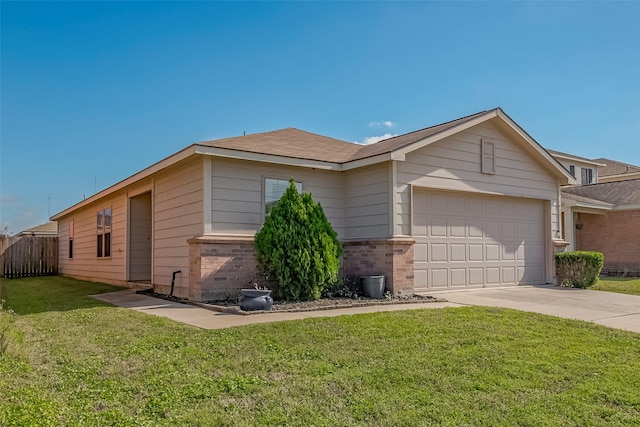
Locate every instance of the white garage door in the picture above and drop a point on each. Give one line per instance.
(476, 241)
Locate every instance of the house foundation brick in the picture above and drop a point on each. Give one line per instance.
(617, 235)
(392, 258)
(220, 266)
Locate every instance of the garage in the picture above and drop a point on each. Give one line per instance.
(465, 240)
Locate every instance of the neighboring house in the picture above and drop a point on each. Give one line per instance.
(606, 218)
(617, 171)
(47, 229)
(469, 203)
(585, 171)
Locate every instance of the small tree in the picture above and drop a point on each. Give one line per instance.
(297, 247)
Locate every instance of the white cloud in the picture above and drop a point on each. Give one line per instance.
(373, 139)
(386, 123)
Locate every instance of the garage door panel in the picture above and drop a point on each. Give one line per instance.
(492, 253)
(438, 227)
(458, 277)
(471, 241)
(458, 252)
(475, 228)
(476, 276)
(439, 278)
(475, 251)
(508, 275)
(457, 228)
(492, 275)
(438, 252)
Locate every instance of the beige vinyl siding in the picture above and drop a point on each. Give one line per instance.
(85, 264)
(178, 207)
(237, 194)
(454, 164)
(367, 202)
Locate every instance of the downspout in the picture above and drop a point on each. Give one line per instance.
(173, 281)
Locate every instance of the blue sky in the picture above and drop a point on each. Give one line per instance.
(92, 92)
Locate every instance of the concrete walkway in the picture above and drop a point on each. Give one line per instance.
(207, 319)
(605, 308)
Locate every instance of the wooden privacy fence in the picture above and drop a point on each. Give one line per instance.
(28, 256)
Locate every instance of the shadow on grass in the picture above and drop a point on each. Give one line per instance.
(53, 293)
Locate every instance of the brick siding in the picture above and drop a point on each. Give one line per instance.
(617, 235)
(392, 258)
(219, 267)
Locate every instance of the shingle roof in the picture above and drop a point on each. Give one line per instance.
(290, 142)
(47, 228)
(615, 168)
(617, 193)
(397, 142)
(296, 143)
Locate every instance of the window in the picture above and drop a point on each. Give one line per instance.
(104, 233)
(572, 170)
(587, 176)
(71, 239)
(273, 190)
(488, 157)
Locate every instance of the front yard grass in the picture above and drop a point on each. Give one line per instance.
(102, 365)
(620, 285)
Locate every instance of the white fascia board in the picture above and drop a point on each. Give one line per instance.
(156, 167)
(266, 158)
(370, 161)
(626, 207)
(538, 148)
(586, 205)
(578, 160)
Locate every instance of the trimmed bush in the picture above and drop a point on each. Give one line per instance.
(578, 269)
(297, 247)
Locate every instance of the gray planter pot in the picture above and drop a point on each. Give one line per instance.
(255, 299)
(373, 286)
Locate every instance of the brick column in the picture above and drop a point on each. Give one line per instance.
(392, 258)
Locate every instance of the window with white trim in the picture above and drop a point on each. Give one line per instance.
(587, 176)
(104, 233)
(572, 170)
(273, 191)
(488, 159)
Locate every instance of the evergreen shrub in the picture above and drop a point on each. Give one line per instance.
(297, 249)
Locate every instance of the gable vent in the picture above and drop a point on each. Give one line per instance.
(488, 157)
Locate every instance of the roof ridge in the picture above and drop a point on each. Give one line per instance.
(436, 125)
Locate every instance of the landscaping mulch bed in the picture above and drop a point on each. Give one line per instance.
(292, 307)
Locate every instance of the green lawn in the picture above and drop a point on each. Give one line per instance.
(619, 285)
(102, 365)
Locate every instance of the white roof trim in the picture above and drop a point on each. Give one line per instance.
(577, 159)
(597, 206)
(626, 207)
(156, 167)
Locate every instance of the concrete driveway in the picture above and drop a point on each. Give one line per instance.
(605, 308)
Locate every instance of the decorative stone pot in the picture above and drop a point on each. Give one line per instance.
(255, 299)
(373, 286)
